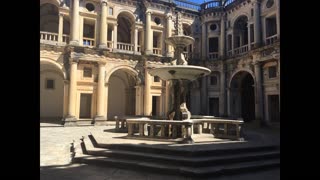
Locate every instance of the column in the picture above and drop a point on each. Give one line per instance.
(249, 38)
(100, 119)
(70, 120)
(204, 95)
(278, 19)
(169, 34)
(136, 30)
(222, 38)
(148, 38)
(60, 33)
(229, 101)
(75, 23)
(204, 42)
(259, 95)
(103, 25)
(106, 88)
(222, 92)
(115, 36)
(232, 42)
(257, 23)
(146, 98)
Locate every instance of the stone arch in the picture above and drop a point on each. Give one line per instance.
(128, 69)
(130, 14)
(54, 2)
(60, 68)
(52, 94)
(241, 93)
(235, 18)
(121, 91)
(237, 71)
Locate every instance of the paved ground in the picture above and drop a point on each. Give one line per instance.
(55, 147)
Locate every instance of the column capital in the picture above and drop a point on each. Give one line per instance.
(148, 12)
(74, 60)
(106, 84)
(256, 2)
(61, 14)
(169, 15)
(104, 2)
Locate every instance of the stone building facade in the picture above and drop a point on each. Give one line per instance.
(95, 56)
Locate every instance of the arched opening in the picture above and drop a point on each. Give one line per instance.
(187, 51)
(49, 23)
(125, 23)
(49, 18)
(240, 35)
(51, 93)
(121, 94)
(242, 97)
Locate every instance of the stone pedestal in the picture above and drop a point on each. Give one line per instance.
(99, 121)
(70, 121)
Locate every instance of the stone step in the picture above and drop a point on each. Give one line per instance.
(178, 169)
(185, 152)
(186, 161)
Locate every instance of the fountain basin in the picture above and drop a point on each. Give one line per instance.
(179, 40)
(180, 72)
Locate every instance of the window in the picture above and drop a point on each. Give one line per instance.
(213, 80)
(269, 3)
(213, 45)
(110, 11)
(229, 24)
(157, 20)
(90, 7)
(251, 12)
(156, 79)
(49, 84)
(213, 27)
(87, 72)
(272, 71)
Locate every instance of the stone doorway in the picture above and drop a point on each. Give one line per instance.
(85, 105)
(274, 112)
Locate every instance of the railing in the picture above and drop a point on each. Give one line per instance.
(227, 2)
(219, 127)
(110, 44)
(211, 4)
(213, 55)
(48, 36)
(241, 50)
(65, 38)
(229, 53)
(187, 4)
(88, 41)
(157, 51)
(125, 46)
(160, 128)
(271, 39)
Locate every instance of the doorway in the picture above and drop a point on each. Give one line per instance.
(273, 104)
(214, 106)
(155, 105)
(85, 105)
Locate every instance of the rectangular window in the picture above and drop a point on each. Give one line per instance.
(110, 11)
(272, 71)
(213, 44)
(87, 72)
(251, 33)
(156, 79)
(49, 84)
(229, 24)
(213, 80)
(251, 12)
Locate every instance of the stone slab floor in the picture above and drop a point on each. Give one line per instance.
(54, 158)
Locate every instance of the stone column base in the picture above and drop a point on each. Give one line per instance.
(103, 46)
(74, 43)
(99, 121)
(70, 121)
(148, 52)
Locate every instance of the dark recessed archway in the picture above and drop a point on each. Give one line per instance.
(242, 96)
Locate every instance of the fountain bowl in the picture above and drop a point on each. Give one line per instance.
(179, 40)
(180, 72)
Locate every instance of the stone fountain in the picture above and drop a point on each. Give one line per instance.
(179, 73)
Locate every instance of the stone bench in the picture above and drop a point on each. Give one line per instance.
(219, 127)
